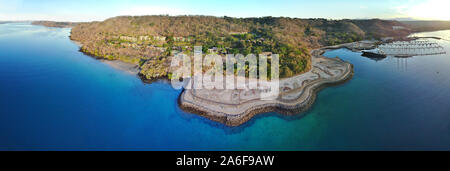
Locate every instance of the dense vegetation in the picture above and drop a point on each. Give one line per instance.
(150, 40)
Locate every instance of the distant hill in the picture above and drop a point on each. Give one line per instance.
(150, 40)
(4, 22)
(55, 24)
(420, 26)
(343, 31)
(377, 28)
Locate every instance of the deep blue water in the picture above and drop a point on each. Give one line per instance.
(52, 97)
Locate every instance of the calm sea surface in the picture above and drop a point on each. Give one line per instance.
(52, 97)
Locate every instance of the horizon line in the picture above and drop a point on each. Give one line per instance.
(199, 15)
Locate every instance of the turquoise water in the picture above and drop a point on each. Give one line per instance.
(52, 97)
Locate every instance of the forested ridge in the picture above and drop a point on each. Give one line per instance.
(149, 41)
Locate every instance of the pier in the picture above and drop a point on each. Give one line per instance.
(411, 48)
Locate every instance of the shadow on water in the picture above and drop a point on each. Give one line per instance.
(229, 130)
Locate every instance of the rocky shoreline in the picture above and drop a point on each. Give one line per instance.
(297, 93)
(117, 64)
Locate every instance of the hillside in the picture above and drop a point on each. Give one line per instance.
(383, 28)
(421, 26)
(150, 40)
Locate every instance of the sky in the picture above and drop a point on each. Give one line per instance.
(98, 10)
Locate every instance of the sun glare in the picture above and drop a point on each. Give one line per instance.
(430, 10)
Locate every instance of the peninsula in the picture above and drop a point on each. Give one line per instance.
(55, 24)
(150, 42)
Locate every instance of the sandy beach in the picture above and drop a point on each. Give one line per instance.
(123, 66)
(117, 64)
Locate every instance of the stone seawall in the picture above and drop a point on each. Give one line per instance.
(297, 94)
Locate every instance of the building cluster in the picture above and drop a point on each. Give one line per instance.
(157, 43)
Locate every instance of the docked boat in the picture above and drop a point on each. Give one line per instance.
(403, 56)
(372, 54)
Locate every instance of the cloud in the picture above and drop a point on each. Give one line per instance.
(152, 10)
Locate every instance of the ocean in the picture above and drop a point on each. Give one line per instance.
(53, 97)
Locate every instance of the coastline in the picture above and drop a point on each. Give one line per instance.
(116, 64)
(204, 107)
(123, 66)
(190, 102)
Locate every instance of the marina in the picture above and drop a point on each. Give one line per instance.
(411, 48)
